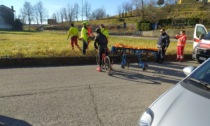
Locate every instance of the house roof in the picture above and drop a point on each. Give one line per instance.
(3, 6)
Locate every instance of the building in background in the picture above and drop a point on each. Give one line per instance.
(51, 21)
(6, 17)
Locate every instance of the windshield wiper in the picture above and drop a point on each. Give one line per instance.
(200, 82)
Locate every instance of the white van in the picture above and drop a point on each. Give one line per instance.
(201, 43)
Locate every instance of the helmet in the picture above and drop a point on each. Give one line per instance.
(85, 23)
(98, 30)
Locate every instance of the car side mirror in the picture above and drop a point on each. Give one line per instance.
(188, 70)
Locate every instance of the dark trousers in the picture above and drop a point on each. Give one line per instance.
(161, 54)
(85, 44)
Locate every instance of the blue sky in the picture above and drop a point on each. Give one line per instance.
(55, 5)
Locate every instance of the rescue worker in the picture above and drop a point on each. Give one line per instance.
(162, 45)
(101, 44)
(182, 38)
(91, 36)
(73, 33)
(104, 31)
(84, 37)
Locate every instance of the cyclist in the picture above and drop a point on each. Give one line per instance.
(100, 44)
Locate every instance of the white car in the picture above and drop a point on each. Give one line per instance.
(185, 104)
(201, 43)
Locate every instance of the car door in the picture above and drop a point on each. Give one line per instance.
(198, 32)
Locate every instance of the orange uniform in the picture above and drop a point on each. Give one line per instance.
(180, 46)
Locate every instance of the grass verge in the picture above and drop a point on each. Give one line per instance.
(54, 44)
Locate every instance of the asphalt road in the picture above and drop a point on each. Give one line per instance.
(81, 96)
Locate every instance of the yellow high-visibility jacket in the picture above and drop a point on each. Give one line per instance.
(73, 31)
(84, 34)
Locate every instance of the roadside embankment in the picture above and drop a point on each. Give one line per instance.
(64, 61)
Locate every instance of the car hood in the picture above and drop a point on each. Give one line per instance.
(205, 41)
(181, 107)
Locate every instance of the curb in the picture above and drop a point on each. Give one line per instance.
(65, 61)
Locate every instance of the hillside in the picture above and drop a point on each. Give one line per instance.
(177, 14)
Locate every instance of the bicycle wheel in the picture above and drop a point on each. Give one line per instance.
(103, 62)
(108, 65)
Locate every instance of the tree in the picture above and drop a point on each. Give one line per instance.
(76, 9)
(98, 13)
(139, 7)
(27, 11)
(160, 2)
(54, 16)
(119, 10)
(128, 8)
(71, 13)
(18, 25)
(87, 9)
(58, 19)
(40, 12)
(62, 14)
(137, 4)
(142, 8)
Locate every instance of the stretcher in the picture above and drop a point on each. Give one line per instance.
(142, 54)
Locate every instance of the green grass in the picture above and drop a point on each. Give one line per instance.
(54, 44)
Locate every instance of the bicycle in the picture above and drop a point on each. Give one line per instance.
(106, 63)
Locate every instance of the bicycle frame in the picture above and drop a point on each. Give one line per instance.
(106, 64)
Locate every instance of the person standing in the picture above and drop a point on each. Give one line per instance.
(73, 33)
(162, 45)
(101, 44)
(91, 36)
(84, 36)
(104, 31)
(182, 38)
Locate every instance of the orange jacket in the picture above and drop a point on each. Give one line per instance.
(181, 40)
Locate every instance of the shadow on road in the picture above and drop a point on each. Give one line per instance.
(7, 121)
(156, 73)
(130, 75)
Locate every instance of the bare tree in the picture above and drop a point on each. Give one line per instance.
(61, 15)
(71, 13)
(137, 4)
(65, 14)
(128, 8)
(76, 9)
(58, 15)
(98, 13)
(40, 12)
(87, 9)
(122, 9)
(22, 17)
(160, 2)
(36, 15)
(54, 16)
(119, 10)
(152, 3)
(27, 11)
(142, 8)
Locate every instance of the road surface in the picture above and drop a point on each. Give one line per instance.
(81, 96)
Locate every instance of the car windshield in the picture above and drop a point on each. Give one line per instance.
(202, 74)
(207, 36)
